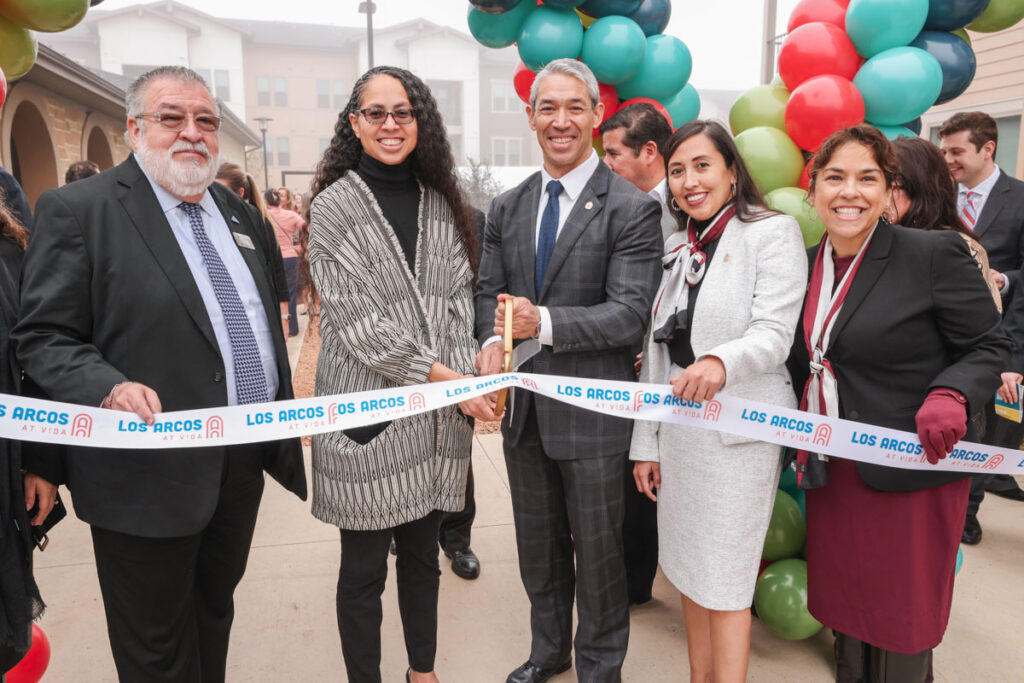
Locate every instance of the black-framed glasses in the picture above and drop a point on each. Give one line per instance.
(376, 116)
(176, 121)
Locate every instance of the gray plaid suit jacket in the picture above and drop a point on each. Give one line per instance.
(599, 288)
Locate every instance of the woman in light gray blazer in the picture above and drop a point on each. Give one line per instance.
(723, 322)
(392, 251)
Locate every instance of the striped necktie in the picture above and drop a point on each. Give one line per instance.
(969, 214)
(250, 380)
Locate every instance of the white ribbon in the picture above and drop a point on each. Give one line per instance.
(30, 419)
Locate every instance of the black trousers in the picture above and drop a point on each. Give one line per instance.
(169, 601)
(858, 662)
(568, 516)
(456, 527)
(639, 540)
(998, 432)
(364, 570)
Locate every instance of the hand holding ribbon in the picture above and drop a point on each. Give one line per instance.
(941, 422)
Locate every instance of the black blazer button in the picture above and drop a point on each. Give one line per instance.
(854, 415)
(218, 377)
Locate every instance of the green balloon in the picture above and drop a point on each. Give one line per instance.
(773, 159)
(18, 49)
(498, 30)
(962, 32)
(762, 105)
(793, 201)
(50, 16)
(999, 15)
(787, 529)
(778, 82)
(780, 598)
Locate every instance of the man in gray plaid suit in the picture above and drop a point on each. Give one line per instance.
(578, 250)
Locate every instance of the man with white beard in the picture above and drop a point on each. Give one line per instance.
(148, 288)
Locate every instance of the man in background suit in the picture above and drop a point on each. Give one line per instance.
(149, 288)
(632, 139)
(577, 249)
(991, 203)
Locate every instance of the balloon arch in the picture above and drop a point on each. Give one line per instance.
(842, 63)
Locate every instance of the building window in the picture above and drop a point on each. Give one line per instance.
(506, 151)
(322, 144)
(323, 95)
(263, 91)
(280, 92)
(222, 84)
(449, 100)
(269, 152)
(284, 155)
(205, 75)
(504, 98)
(340, 97)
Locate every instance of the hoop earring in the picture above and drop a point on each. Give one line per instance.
(734, 189)
(674, 205)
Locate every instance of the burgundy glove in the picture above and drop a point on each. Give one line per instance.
(941, 422)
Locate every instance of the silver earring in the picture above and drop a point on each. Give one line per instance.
(674, 205)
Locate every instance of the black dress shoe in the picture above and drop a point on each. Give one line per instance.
(1011, 494)
(530, 673)
(464, 563)
(972, 531)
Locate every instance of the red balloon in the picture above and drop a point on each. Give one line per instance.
(609, 97)
(522, 81)
(821, 106)
(33, 665)
(805, 177)
(816, 49)
(829, 11)
(657, 105)
(3, 87)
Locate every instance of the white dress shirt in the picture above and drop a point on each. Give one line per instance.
(982, 189)
(223, 241)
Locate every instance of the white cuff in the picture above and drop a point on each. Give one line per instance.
(1006, 285)
(495, 338)
(546, 337)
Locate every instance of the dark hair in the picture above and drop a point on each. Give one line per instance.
(80, 170)
(924, 178)
(643, 124)
(432, 160)
(10, 227)
(271, 198)
(749, 200)
(866, 136)
(982, 127)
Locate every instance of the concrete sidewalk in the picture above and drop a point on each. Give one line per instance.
(285, 628)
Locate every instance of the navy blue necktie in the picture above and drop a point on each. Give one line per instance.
(548, 233)
(250, 380)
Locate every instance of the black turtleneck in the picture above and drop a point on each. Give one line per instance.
(398, 195)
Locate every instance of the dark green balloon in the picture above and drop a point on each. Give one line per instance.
(787, 529)
(780, 598)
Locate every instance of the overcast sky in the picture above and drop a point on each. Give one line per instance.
(724, 36)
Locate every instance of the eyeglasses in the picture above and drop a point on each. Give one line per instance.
(376, 116)
(208, 123)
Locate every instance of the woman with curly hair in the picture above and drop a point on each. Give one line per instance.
(392, 253)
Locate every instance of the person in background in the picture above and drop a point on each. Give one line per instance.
(286, 200)
(991, 204)
(632, 139)
(14, 198)
(298, 202)
(393, 253)
(288, 226)
(898, 331)
(80, 170)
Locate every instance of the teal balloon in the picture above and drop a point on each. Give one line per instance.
(896, 132)
(801, 500)
(787, 480)
(878, 25)
(959, 560)
(792, 201)
(780, 598)
(787, 529)
(613, 48)
(684, 106)
(773, 159)
(898, 85)
(762, 105)
(498, 30)
(549, 34)
(665, 70)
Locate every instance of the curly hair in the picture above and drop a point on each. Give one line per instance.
(866, 136)
(432, 160)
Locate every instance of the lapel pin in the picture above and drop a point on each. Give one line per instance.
(234, 219)
(725, 258)
(588, 206)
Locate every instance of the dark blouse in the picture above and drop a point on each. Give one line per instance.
(398, 194)
(680, 349)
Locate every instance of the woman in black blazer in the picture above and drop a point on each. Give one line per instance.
(903, 334)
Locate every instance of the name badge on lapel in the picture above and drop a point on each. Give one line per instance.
(244, 241)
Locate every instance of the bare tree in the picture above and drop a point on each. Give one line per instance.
(479, 184)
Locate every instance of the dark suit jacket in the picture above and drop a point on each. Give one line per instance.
(107, 296)
(918, 316)
(598, 287)
(1000, 227)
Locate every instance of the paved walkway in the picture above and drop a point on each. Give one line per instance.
(285, 629)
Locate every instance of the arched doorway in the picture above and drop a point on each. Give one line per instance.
(98, 149)
(32, 156)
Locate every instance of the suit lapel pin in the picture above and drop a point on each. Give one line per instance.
(588, 206)
(725, 258)
(234, 219)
